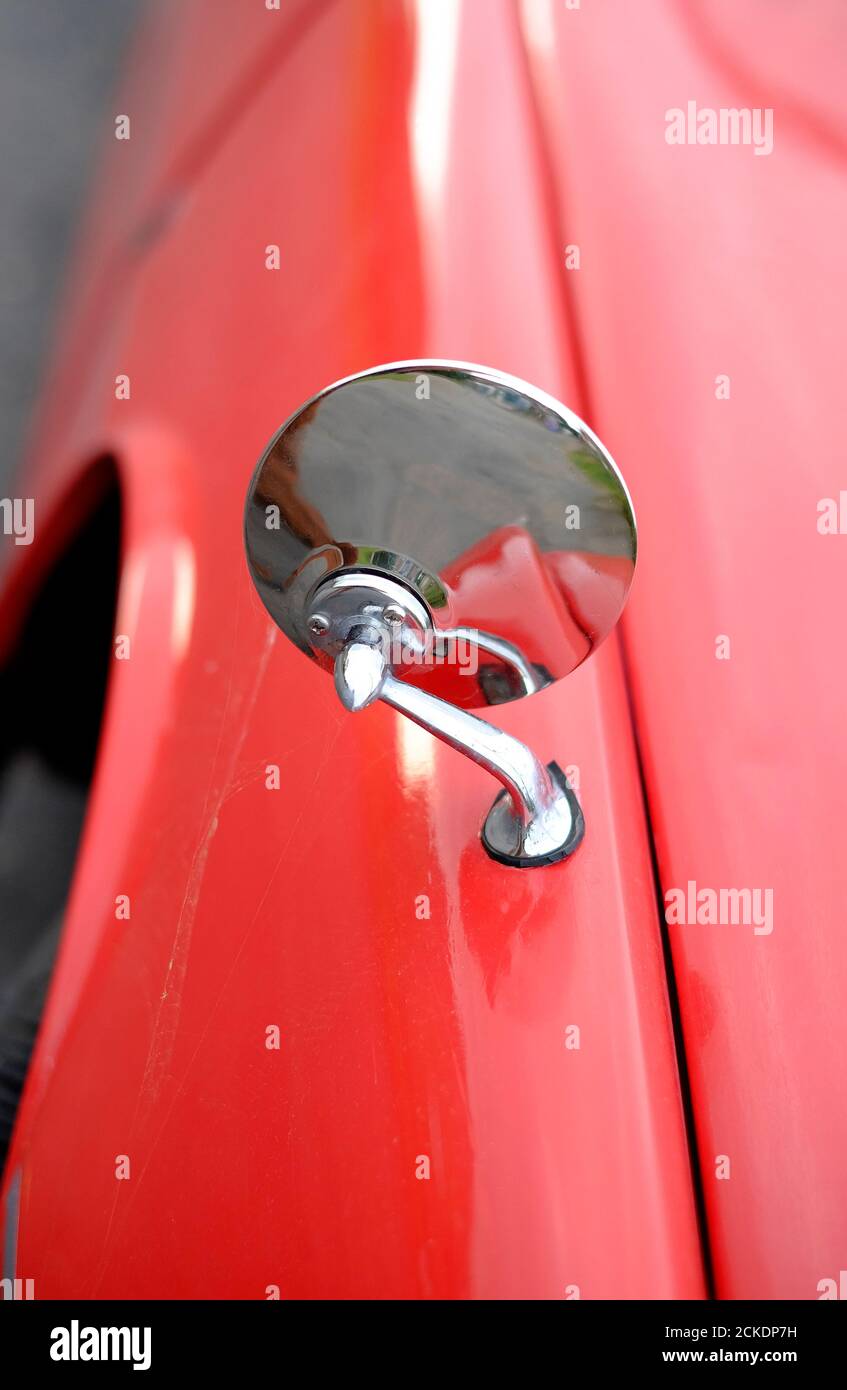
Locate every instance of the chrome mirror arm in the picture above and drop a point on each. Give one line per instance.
(537, 819)
(505, 757)
(530, 678)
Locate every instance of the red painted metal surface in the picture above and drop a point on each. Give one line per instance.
(424, 994)
(699, 262)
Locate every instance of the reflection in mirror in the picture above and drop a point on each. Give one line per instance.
(490, 501)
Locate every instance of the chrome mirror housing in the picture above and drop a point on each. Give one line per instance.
(443, 537)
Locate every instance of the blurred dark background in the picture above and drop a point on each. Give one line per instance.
(59, 64)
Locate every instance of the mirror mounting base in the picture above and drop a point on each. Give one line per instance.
(502, 836)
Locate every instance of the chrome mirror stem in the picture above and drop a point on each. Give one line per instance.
(528, 675)
(537, 819)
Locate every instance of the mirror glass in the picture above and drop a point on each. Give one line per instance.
(489, 500)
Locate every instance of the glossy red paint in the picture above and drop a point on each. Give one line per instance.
(729, 263)
(423, 993)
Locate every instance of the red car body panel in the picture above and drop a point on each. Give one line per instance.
(745, 758)
(420, 198)
(553, 1169)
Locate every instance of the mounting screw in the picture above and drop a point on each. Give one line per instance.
(318, 625)
(394, 614)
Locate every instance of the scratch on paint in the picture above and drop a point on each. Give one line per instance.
(327, 754)
(167, 1016)
(170, 999)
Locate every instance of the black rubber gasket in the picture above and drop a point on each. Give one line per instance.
(571, 844)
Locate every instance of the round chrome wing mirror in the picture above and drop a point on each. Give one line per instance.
(444, 537)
